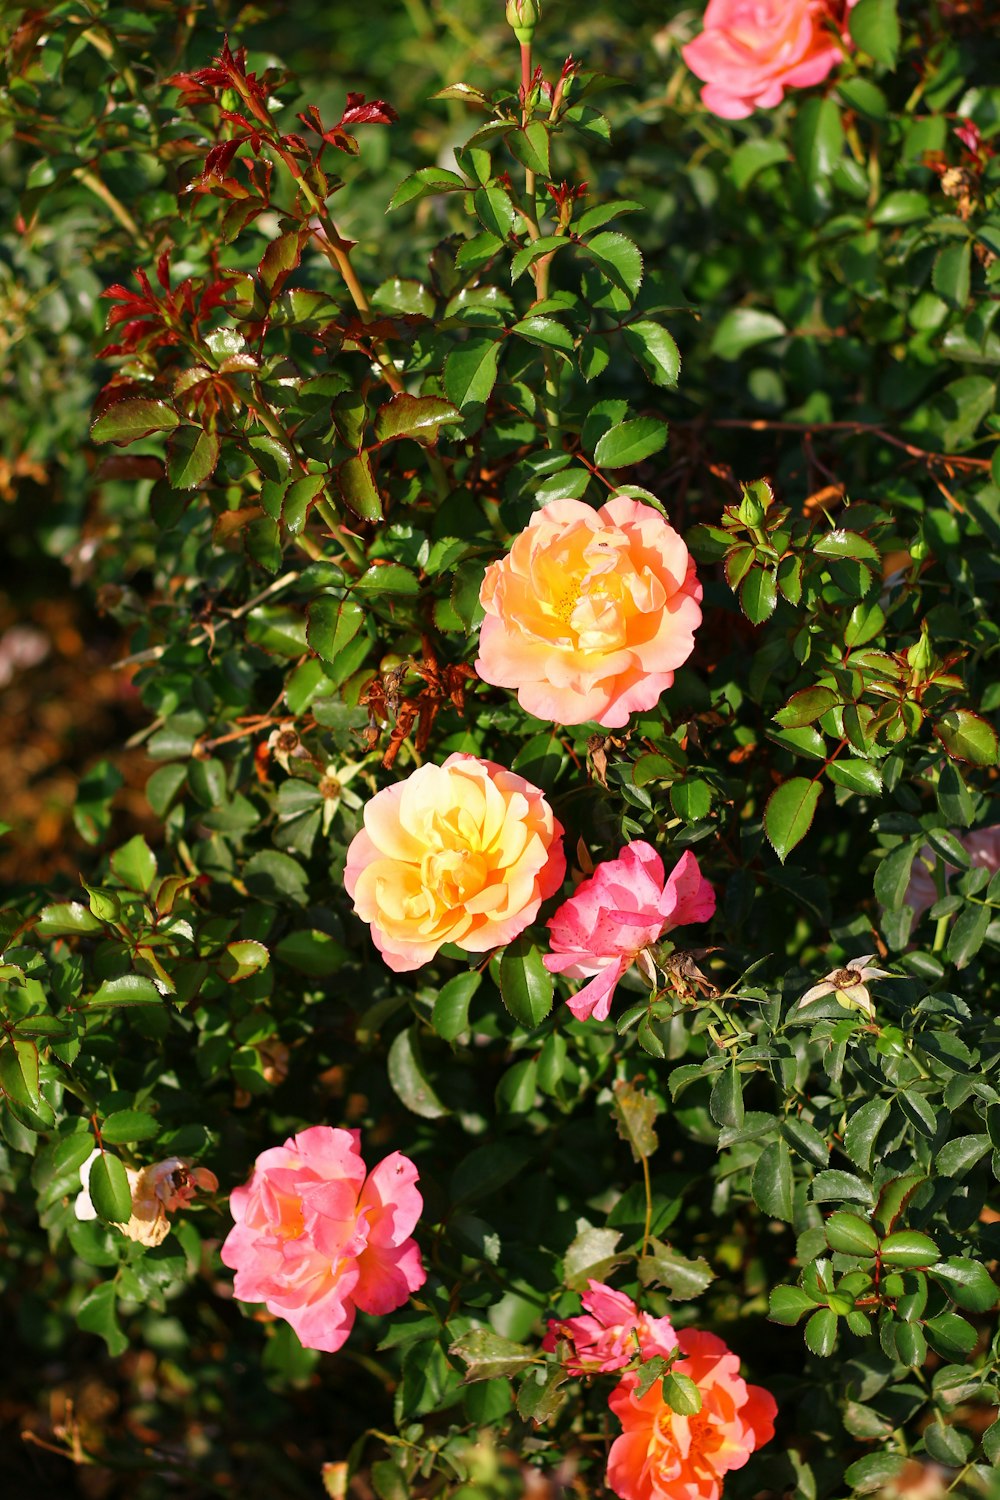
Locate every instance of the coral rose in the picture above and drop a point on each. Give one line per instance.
(982, 845)
(750, 51)
(624, 906)
(664, 1456)
(460, 853)
(590, 613)
(315, 1238)
(602, 1339)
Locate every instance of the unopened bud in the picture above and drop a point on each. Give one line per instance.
(523, 16)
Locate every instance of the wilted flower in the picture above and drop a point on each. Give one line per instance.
(611, 917)
(317, 1236)
(848, 985)
(605, 1337)
(333, 788)
(285, 745)
(157, 1191)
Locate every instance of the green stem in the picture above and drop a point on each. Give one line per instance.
(649, 1205)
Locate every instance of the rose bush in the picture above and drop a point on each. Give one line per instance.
(685, 431)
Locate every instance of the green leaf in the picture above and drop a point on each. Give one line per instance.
(893, 876)
(875, 1471)
(726, 1101)
(192, 455)
(515, 1093)
(952, 271)
(654, 350)
(681, 1394)
(862, 1131)
(958, 1156)
(332, 624)
(968, 934)
(298, 497)
(967, 1282)
(788, 1304)
(408, 1076)
(818, 138)
(526, 986)
(470, 372)
(742, 328)
(311, 952)
(135, 864)
(530, 144)
(821, 1332)
(133, 418)
(68, 919)
(753, 156)
(358, 489)
(908, 1247)
(19, 1072)
(419, 417)
(617, 258)
(109, 1189)
(450, 1016)
(242, 958)
(874, 26)
(771, 1184)
(96, 1314)
(950, 1335)
(486, 1355)
(846, 544)
(968, 737)
(806, 706)
(495, 211)
(591, 1255)
(130, 989)
(758, 595)
(635, 1117)
(630, 442)
(789, 813)
(129, 1125)
(425, 183)
(534, 250)
(911, 1345)
(857, 775)
(850, 1234)
(548, 332)
(681, 1278)
(944, 1443)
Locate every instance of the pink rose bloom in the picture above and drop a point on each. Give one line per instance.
(590, 613)
(603, 1340)
(982, 845)
(315, 1238)
(622, 908)
(664, 1456)
(460, 853)
(752, 50)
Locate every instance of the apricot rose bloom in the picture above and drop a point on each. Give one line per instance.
(664, 1456)
(590, 613)
(601, 1338)
(315, 1238)
(464, 853)
(623, 907)
(750, 51)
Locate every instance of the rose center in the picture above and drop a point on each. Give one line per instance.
(454, 875)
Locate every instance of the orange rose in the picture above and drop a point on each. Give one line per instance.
(590, 612)
(662, 1455)
(460, 853)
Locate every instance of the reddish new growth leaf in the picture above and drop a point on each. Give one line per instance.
(227, 71)
(146, 321)
(356, 112)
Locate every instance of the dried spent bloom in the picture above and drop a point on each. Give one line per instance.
(849, 985)
(604, 1337)
(662, 1455)
(316, 1237)
(982, 845)
(590, 613)
(157, 1190)
(612, 916)
(750, 51)
(464, 852)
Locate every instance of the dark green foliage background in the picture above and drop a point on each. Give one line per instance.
(834, 314)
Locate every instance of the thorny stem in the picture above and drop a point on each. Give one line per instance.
(540, 269)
